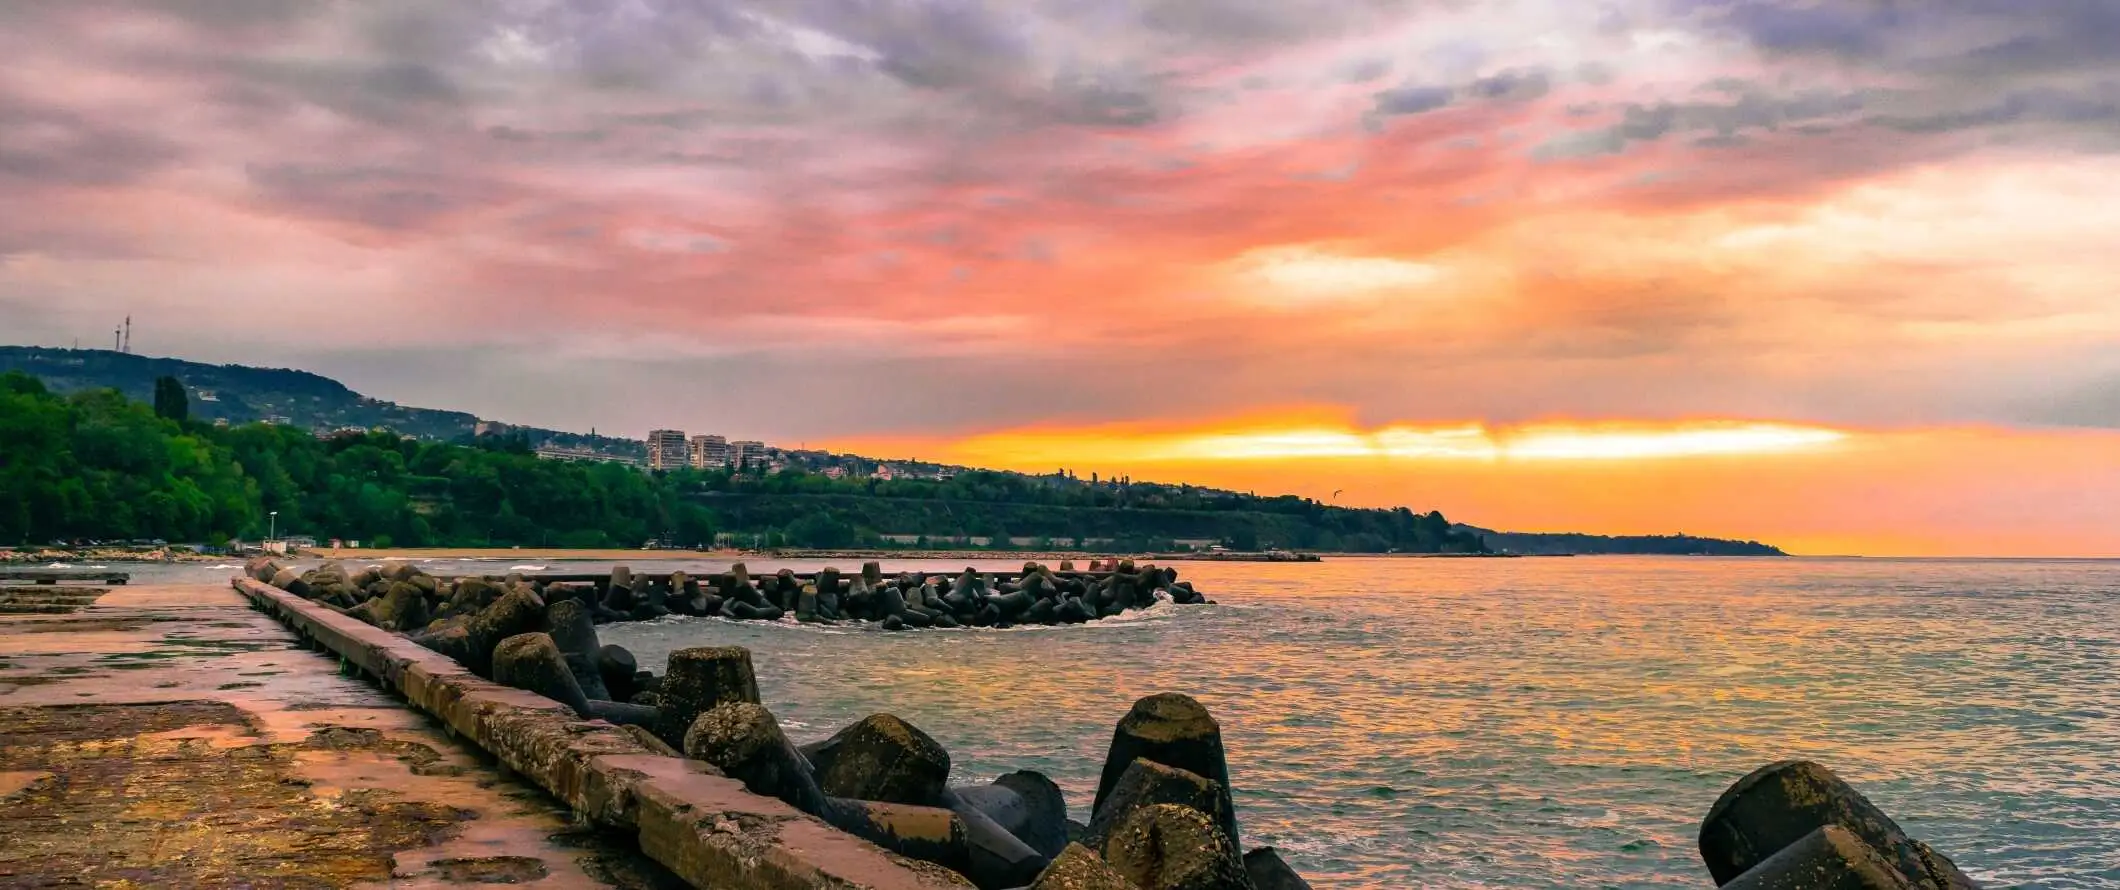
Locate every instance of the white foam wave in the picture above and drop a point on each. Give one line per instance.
(219, 567)
(526, 568)
(58, 565)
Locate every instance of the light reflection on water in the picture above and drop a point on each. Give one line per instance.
(1542, 723)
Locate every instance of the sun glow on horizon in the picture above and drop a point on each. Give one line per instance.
(1317, 439)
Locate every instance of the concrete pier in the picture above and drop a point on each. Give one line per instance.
(164, 736)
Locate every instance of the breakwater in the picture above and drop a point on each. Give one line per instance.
(1034, 594)
(1164, 815)
(1249, 702)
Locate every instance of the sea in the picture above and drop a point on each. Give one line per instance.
(1529, 723)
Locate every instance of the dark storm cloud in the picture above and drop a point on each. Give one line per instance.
(377, 197)
(49, 146)
(1752, 109)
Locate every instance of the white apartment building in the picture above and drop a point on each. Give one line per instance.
(667, 450)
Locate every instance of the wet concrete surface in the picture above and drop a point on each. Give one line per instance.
(173, 737)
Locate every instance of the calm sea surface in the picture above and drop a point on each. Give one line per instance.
(1537, 723)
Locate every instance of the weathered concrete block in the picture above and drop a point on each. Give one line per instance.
(1080, 868)
(574, 631)
(618, 669)
(533, 663)
(1148, 783)
(1169, 847)
(698, 681)
(1830, 858)
(1268, 872)
(744, 740)
(882, 758)
(1028, 804)
(1781, 803)
(1173, 730)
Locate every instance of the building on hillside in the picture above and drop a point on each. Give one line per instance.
(667, 450)
(746, 454)
(709, 452)
(835, 472)
(583, 455)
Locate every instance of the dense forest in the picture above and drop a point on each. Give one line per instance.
(98, 465)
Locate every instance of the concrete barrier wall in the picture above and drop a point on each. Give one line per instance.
(703, 826)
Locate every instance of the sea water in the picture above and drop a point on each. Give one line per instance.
(1530, 723)
(1540, 723)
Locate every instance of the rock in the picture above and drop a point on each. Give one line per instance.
(1174, 730)
(1079, 868)
(364, 576)
(806, 606)
(699, 680)
(1027, 804)
(647, 697)
(1169, 847)
(617, 667)
(471, 640)
(425, 583)
(399, 571)
(744, 741)
(532, 662)
(872, 574)
(1830, 858)
(1779, 804)
(1268, 872)
(260, 568)
(1148, 783)
(882, 758)
(574, 632)
(894, 622)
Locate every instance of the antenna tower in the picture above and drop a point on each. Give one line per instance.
(127, 349)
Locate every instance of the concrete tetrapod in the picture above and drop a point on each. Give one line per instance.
(1174, 730)
(698, 681)
(1026, 803)
(1146, 783)
(532, 662)
(1269, 872)
(1780, 803)
(1079, 868)
(1169, 847)
(882, 758)
(1831, 858)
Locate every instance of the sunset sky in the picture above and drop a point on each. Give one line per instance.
(1842, 276)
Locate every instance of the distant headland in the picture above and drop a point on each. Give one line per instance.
(236, 452)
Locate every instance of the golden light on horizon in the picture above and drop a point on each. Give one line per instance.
(1314, 439)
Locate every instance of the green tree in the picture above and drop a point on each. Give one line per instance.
(170, 401)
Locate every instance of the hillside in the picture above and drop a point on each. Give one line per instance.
(241, 394)
(978, 504)
(1547, 544)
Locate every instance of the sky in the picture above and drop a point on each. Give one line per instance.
(1839, 276)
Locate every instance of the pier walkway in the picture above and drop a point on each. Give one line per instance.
(165, 736)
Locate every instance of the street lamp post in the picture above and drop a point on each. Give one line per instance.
(272, 528)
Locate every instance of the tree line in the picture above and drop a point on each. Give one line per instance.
(99, 466)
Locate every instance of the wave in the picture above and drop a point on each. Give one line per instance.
(526, 568)
(59, 565)
(219, 567)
